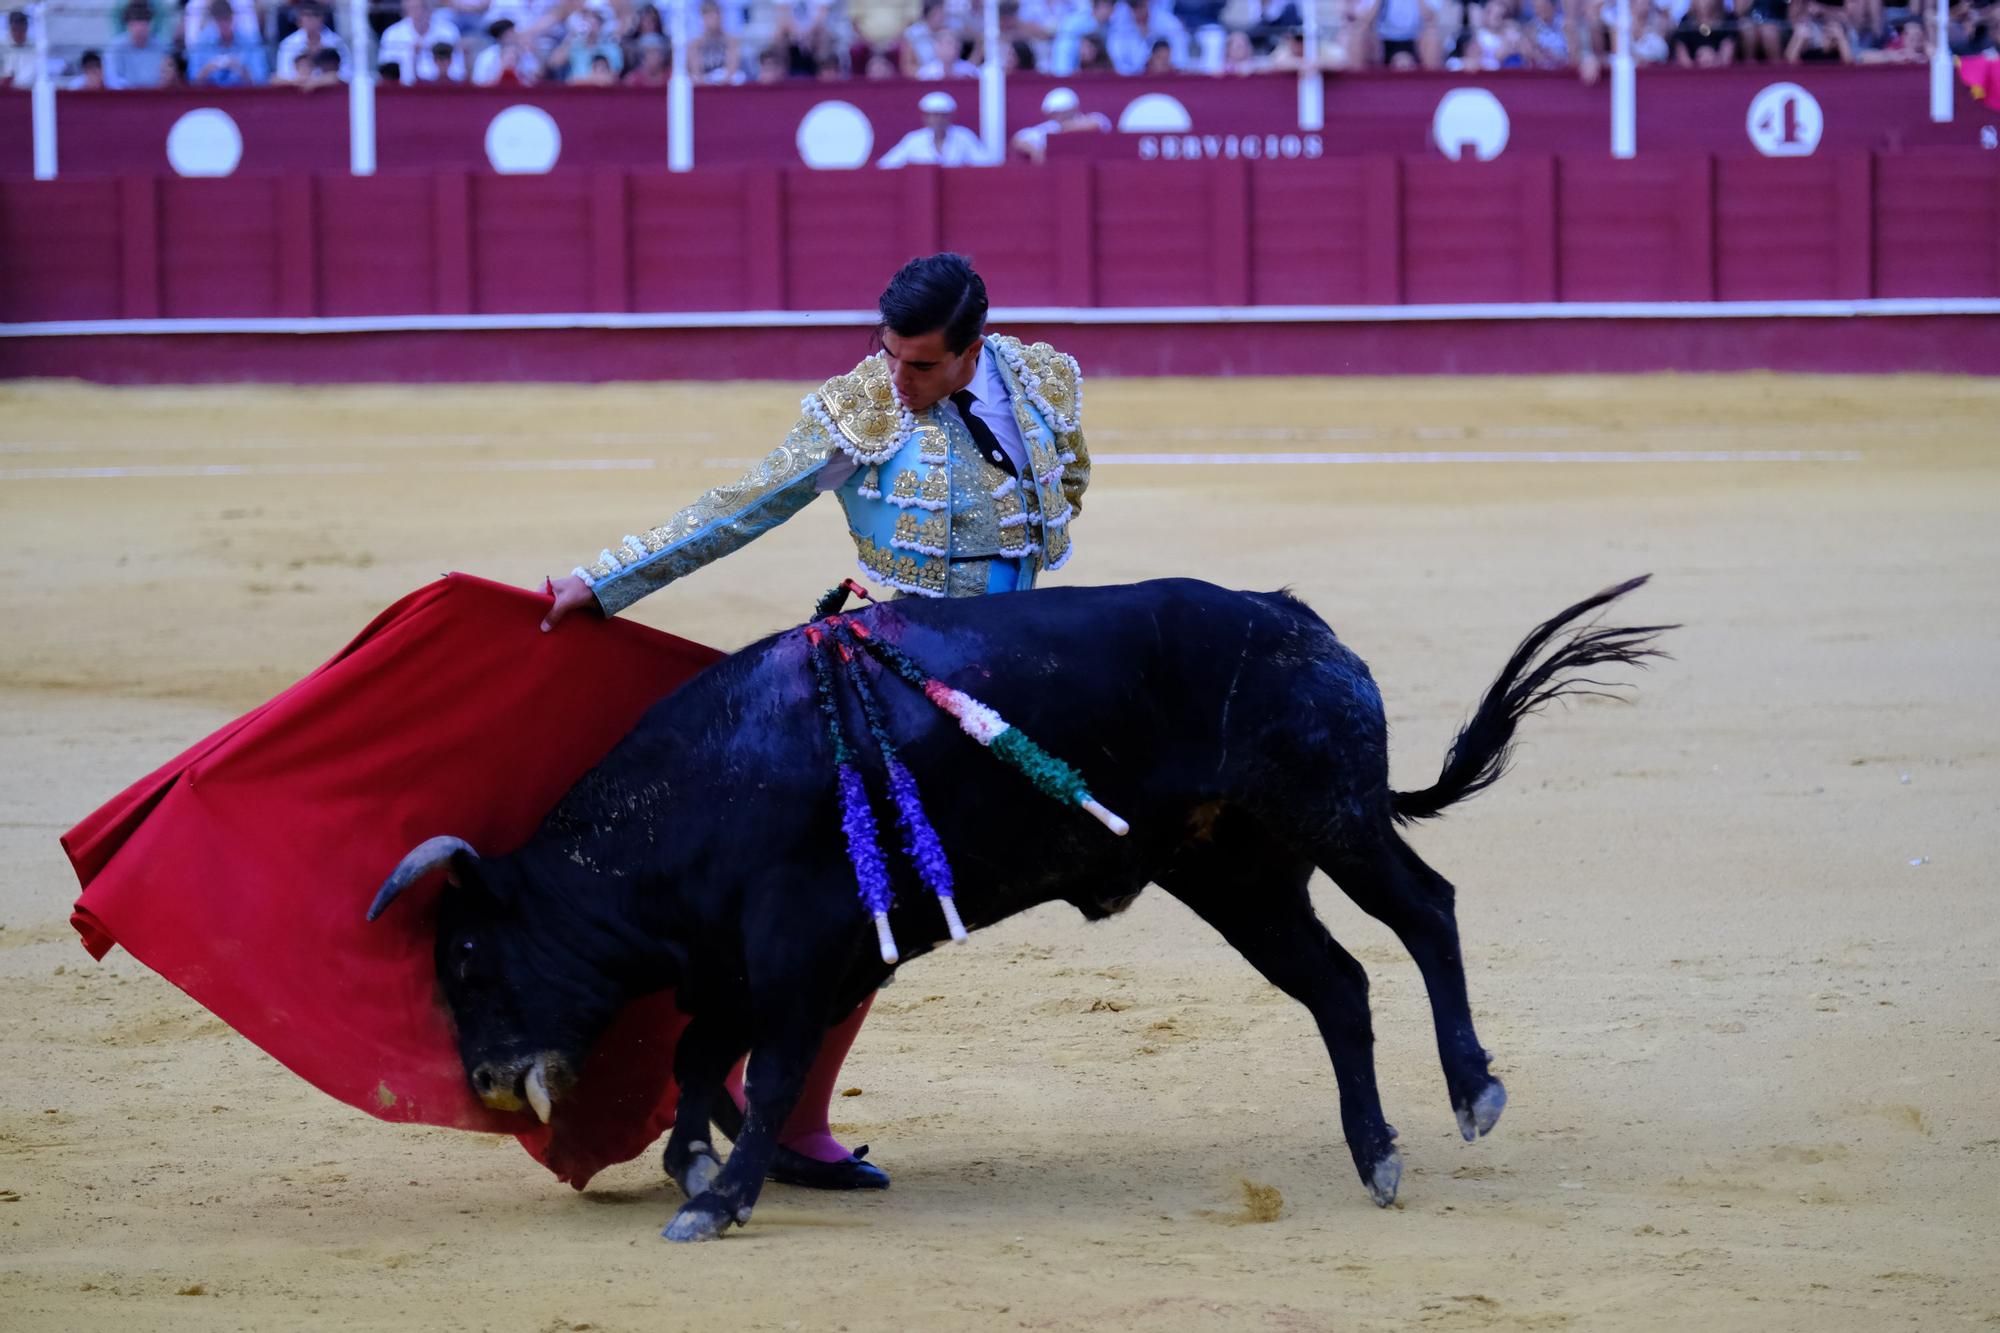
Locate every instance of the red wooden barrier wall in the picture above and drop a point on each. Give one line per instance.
(1362, 230)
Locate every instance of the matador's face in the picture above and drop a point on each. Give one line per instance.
(926, 371)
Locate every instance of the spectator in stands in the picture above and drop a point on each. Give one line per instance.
(222, 56)
(1652, 33)
(1063, 117)
(140, 59)
(199, 19)
(1973, 27)
(17, 56)
(89, 74)
(1091, 21)
(328, 71)
(450, 62)
(599, 75)
(1272, 19)
(822, 30)
(930, 44)
(1091, 57)
(1545, 38)
(585, 39)
(786, 49)
(940, 142)
(1198, 14)
(1135, 26)
(411, 45)
(1399, 26)
(646, 22)
(713, 55)
(166, 21)
(1764, 28)
(1494, 40)
(1289, 55)
(310, 38)
(1706, 37)
(1042, 21)
(881, 65)
(508, 60)
(1820, 37)
(1908, 44)
(652, 67)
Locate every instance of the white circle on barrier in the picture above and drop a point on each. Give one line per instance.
(204, 142)
(1470, 119)
(1155, 113)
(1785, 121)
(523, 141)
(835, 136)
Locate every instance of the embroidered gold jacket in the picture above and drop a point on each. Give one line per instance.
(927, 512)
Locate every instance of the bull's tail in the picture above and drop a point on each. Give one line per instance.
(1533, 676)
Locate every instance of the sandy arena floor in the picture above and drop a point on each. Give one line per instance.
(1734, 946)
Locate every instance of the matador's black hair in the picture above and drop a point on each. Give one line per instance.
(937, 292)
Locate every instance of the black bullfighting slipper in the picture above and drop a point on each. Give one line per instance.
(849, 1173)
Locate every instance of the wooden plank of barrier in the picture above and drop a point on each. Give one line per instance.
(451, 260)
(1229, 232)
(1854, 236)
(1541, 228)
(766, 277)
(1695, 251)
(610, 240)
(1382, 226)
(139, 266)
(298, 245)
(1076, 231)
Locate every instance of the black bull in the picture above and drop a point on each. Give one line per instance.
(1243, 741)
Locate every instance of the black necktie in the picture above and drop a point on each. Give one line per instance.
(982, 434)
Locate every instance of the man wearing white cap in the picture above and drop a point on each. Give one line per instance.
(940, 143)
(1064, 118)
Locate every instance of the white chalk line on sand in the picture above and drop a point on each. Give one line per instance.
(169, 470)
(1416, 458)
(1435, 457)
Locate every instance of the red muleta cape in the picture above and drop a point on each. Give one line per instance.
(242, 869)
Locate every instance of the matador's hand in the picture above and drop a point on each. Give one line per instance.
(570, 593)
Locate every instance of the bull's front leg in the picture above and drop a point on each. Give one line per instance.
(777, 1072)
(707, 1048)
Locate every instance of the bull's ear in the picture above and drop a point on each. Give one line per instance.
(424, 858)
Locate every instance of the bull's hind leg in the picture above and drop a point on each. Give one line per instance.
(1391, 883)
(1253, 891)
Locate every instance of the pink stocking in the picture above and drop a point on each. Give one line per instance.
(807, 1132)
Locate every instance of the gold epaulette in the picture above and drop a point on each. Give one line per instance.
(1051, 378)
(860, 410)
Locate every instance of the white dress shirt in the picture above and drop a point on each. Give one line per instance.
(962, 148)
(992, 406)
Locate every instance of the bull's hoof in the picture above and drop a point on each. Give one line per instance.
(1477, 1119)
(694, 1170)
(1383, 1180)
(704, 1217)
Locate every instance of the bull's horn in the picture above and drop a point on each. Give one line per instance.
(428, 856)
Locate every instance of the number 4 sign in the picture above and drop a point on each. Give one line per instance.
(1785, 121)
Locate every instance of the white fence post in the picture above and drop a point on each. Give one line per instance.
(1624, 92)
(43, 106)
(1312, 82)
(1941, 67)
(680, 96)
(360, 91)
(993, 88)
